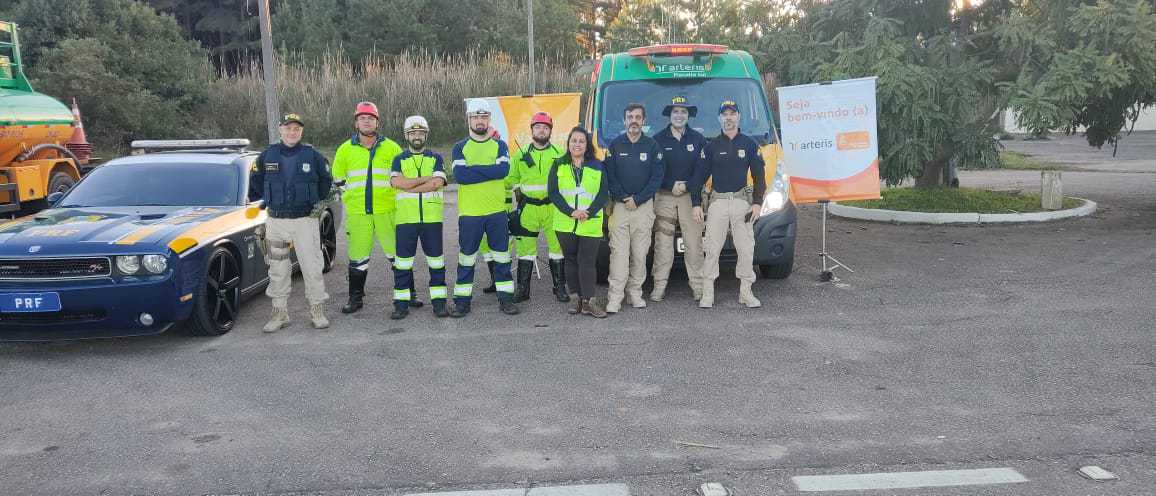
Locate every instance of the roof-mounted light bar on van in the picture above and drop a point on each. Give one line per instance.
(679, 49)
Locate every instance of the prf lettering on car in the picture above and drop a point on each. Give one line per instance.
(706, 75)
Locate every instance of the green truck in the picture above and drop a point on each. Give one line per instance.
(707, 75)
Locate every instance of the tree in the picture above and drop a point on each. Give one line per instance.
(226, 28)
(729, 22)
(1082, 65)
(132, 71)
(937, 85)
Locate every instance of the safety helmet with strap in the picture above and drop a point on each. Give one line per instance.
(541, 118)
(366, 108)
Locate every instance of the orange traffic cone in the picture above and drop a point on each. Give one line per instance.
(78, 143)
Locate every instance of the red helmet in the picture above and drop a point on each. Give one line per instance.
(367, 108)
(541, 118)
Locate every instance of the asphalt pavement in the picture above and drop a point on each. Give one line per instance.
(1022, 347)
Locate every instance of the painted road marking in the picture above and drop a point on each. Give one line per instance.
(583, 490)
(900, 480)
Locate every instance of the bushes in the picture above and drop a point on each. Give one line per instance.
(325, 93)
(131, 70)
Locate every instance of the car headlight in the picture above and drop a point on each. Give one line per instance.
(128, 264)
(155, 264)
(777, 197)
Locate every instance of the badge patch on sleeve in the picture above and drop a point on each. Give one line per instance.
(272, 167)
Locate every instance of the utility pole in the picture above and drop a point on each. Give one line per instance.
(530, 41)
(272, 105)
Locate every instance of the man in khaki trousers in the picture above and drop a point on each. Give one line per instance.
(682, 148)
(634, 168)
(294, 181)
(727, 160)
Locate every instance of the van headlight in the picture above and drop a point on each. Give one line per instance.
(777, 197)
(155, 264)
(128, 264)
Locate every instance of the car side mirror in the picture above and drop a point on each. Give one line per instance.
(54, 198)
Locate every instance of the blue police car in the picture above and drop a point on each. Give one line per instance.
(139, 244)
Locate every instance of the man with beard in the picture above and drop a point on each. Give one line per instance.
(418, 175)
(362, 164)
(481, 164)
(529, 173)
(727, 161)
(681, 150)
(634, 167)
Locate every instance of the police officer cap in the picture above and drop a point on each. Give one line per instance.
(415, 123)
(680, 101)
(728, 105)
(290, 118)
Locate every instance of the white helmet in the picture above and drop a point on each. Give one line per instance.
(415, 123)
(477, 106)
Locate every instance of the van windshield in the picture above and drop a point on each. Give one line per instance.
(705, 93)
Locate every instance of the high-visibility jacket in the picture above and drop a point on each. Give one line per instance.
(366, 175)
(418, 208)
(584, 189)
(480, 168)
(530, 171)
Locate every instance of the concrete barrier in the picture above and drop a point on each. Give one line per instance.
(902, 217)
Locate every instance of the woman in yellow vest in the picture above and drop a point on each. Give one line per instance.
(578, 189)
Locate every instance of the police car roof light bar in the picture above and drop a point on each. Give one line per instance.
(671, 50)
(232, 143)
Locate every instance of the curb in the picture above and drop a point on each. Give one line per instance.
(900, 217)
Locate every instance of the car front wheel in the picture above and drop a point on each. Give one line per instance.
(219, 300)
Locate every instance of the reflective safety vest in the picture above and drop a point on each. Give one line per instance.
(479, 199)
(579, 188)
(530, 170)
(366, 175)
(418, 208)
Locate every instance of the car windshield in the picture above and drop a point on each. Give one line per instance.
(705, 93)
(156, 184)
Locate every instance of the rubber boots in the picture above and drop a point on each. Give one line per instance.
(492, 288)
(414, 302)
(525, 272)
(356, 290)
(558, 276)
(439, 308)
(400, 310)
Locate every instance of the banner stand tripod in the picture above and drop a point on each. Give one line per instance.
(826, 274)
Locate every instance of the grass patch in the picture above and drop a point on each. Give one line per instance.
(1021, 161)
(957, 200)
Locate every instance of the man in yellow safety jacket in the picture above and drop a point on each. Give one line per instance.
(529, 173)
(362, 164)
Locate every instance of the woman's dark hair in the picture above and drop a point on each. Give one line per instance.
(588, 155)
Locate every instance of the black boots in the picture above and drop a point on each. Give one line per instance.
(525, 272)
(492, 288)
(400, 310)
(461, 309)
(558, 276)
(356, 290)
(506, 304)
(413, 301)
(439, 308)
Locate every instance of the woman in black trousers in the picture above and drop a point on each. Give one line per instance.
(578, 189)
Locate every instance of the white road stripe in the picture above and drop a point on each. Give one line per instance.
(900, 480)
(583, 490)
